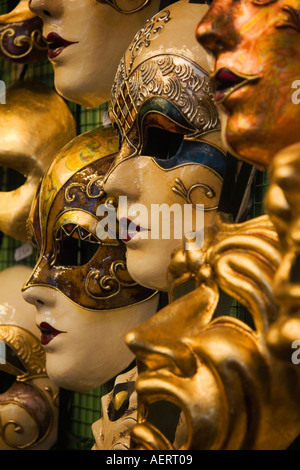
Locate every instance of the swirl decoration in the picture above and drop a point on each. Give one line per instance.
(186, 194)
(148, 33)
(26, 416)
(109, 285)
(88, 189)
(27, 348)
(22, 434)
(31, 42)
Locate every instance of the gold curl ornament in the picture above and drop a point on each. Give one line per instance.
(21, 38)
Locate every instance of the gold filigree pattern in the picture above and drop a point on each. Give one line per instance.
(114, 4)
(34, 41)
(152, 29)
(28, 349)
(180, 189)
(54, 396)
(172, 77)
(17, 435)
(87, 188)
(110, 285)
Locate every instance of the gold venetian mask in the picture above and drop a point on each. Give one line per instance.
(30, 134)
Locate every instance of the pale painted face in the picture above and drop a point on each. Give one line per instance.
(151, 241)
(86, 41)
(84, 348)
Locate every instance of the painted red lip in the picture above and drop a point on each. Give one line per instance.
(56, 44)
(48, 333)
(227, 81)
(128, 229)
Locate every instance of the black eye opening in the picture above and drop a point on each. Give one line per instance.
(11, 179)
(12, 5)
(74, 251)
(161, 143)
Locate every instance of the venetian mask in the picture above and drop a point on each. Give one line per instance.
(256, 52)
(255, 46)
(28, 398)
(21, 38)
(30, 134)
(82, 42)
(86, 301)
(210, 376)
(119, 414)
(171, 154)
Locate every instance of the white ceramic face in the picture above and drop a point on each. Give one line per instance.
(19, 317)
(98, 36)
(144, 182)
(84, 348)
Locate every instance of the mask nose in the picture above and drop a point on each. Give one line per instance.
(46, 8)
(216, 31)
(39, 296)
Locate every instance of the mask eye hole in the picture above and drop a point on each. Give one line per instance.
(12, 4)
(73, 251)
(12, 179)
(161, 143)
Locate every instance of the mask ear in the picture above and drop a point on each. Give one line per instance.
(125, 6)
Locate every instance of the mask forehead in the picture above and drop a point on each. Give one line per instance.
(70, 160)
